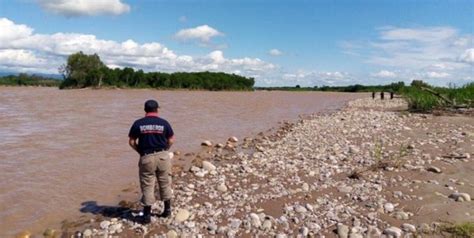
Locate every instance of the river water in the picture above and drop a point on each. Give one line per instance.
(60, 148)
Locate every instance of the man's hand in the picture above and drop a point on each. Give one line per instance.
(133, 143)
(170, 141)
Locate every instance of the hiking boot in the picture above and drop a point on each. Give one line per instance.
(167, 209)
(146, 218)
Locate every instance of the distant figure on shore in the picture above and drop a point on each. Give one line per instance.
(151, 136)
(373, 95)
(391, 95)
(382, 95)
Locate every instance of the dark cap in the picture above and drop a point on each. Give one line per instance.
(151, 106)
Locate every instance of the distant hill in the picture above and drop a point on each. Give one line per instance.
(54, 76)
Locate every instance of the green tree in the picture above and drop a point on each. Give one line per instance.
(83, 70)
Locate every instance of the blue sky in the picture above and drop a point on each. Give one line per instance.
(277, 42)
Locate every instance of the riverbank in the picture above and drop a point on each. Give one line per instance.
(368, 169)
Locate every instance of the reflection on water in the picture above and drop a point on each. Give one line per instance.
(61, 148)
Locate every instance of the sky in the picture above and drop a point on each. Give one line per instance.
(278, 42)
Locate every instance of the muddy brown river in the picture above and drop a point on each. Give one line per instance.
(60, 148)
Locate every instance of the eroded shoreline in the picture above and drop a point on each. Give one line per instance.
(361, 171)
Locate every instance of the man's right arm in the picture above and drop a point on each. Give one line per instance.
(170, 141)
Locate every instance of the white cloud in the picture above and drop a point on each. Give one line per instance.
(384, 74)
(275, 52)
(427, 34)
(73, 8)
(23, 50)
(202, 33)
(436, 75)
(440, 52)
(467, 56)
(11, 31)
(316, 78)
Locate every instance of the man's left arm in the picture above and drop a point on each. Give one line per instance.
(133, 137)
(133, 143)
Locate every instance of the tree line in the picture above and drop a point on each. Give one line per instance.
(393, 87)
(82, 70)
(23, 79)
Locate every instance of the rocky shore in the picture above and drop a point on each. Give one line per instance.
(368, 170)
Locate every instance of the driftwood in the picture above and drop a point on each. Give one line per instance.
(437, 95)
(445, 99)
(455, 156)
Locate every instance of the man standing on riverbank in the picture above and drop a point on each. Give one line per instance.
(151, 136)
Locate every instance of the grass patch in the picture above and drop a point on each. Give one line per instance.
(420, 100)
(459, 230)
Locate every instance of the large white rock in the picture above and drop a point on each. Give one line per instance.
(182, 215)
(206, 143)
(342, 230)
(171, 234)
(408, 227)
(388, 207)
(255, 219)
(393, 231)
(104, 224)
(222, 188)
(461, 197)
(208, 166)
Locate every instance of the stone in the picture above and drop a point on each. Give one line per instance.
(398, 194)
(171, 234)
(393, 231)
(408, 227)
(267, 225)
(23, 234)
(115, 228)
(281, 236)
(305, 187)
(219, 145)
(49, 232)
(206, 143)
(402, 216)
(356, 235)
(460, 197)
(344, 189)
(229, 146)
(373, 232)
(300, 209)
(388, 207)
(425, 228)
(87, 233)
(342, 230)
(194, 169)
(354, 149)
(190, 225)
(304, 231)
(235, 224)
(434, 169)
(104, 225)
(233, 139)
(208, 166)
(211, 227)
(182, 215)
(255, 220)
(222, 188)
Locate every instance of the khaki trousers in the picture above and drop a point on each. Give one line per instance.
(155, 167)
